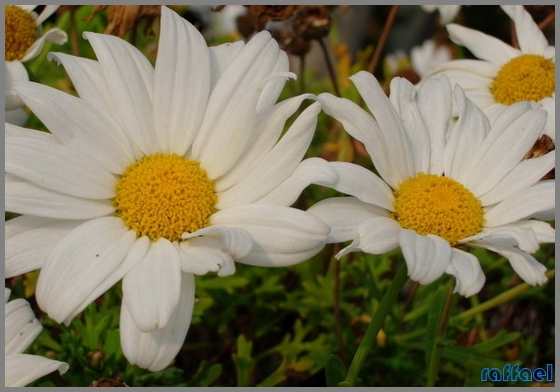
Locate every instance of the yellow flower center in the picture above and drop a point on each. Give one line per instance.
(164, 195)
(430, 204)
(19, 32)
(525, 78)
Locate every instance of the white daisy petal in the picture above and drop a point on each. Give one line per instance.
(390, 128)
(26, 198)
(309, 171)
(357, 181)
(221, 57)
(468, 274)
(524, 175)
(14, 71)
(483, 46)
(56, 167)
(531, 38)
(73, 274)
(427, 257)
(55, 35)
(515, 141)
(234, 240)
(201, 255)
(95, 135)
(88, 80)
(21, 326)
(470, 129)
(129, 76)
(156, 349)
(181, 83)
(510, 235)
(525, 265)
(404, 99)
(151, 290)
(537, 198)
(270, 123)
(344, 215)
(282, 236)
(22, 369)
(435, 106)
(277, 165)
(229, 118)
(28, 239)
(376, 235)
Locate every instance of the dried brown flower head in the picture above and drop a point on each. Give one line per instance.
(312, 21)
(123, 18)
(262, 14)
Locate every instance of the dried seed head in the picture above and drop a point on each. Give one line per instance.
(312, 22)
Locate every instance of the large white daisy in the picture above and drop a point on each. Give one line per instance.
(443, 185)
(503, 74)
(155, 174)
(23, 41)
(21, 329)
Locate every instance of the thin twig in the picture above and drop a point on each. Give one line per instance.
(330, 67)
(383, 38)
(546, 21)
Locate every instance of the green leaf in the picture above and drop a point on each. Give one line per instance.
(335, 371)
(243, 361)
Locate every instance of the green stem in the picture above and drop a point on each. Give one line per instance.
(377, 320)
(434, 359)
(498, 300)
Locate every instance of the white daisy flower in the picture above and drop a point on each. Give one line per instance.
(504, 75)
(156, 174)
(21, 329)
(447, 13)
(428, 55)
(23, 41)
(443, 185)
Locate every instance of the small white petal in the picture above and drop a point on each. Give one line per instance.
(92, 133)
(427, 257)
(522, 205)
(129, 77)
(483, 46)
(376, 236)
(56, 167)
(22, 369)
(55, 35)
(309, 171)
(344, 215)
(467, 271)
(282, 235)
(156, 349)
(29, 239)
(181, 83)
(21, 326)
(151, 290)
(524, 175)
(233, 240)
(400, 164)
(275, 166)
(27, 198)
(270, 124)
(204, 254)
(82, 266)
(525, 265)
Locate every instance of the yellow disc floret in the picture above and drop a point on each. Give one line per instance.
(165, 195)
(430, 204)
(19, 31)
(525, 78)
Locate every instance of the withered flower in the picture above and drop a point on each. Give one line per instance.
(123, 18)
(312, 21)
(262, 14)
